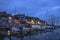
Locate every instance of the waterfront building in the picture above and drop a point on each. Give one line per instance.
(19, 19)
(34, 20)
(4, 18)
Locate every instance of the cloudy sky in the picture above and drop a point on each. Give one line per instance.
(36, 8)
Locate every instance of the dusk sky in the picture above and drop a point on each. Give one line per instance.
(36, 8)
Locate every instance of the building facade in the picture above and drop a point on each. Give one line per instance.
(8, 19)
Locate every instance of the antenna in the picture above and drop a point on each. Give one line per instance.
(15, 10)
(46, 14)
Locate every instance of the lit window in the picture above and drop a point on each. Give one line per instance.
(32, 22)
(10, 17)
(39, 22)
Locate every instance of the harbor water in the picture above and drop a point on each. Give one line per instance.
(34, 35)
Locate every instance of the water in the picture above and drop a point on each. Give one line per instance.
(34, 35)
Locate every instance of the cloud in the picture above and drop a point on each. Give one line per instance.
(35, 8)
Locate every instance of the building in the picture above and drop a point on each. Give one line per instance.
(5, 18)
(34, 20)
(19, 19)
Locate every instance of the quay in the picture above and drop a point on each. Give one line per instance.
(5, 31)
(8, 32)
(5, 28)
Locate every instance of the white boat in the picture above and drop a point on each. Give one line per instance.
(49, 27)
(38, 27)
(14, 29)
(26, 29)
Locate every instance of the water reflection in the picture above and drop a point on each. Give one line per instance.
(20, 35)
(33, 35)
(2, 37)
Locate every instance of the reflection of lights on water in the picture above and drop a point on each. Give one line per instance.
(25, 32)
(8, 32)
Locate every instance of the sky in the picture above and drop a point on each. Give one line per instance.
(35, 8)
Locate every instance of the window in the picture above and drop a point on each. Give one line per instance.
(10, 17)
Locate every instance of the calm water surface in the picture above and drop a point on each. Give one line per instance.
(35, 35)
